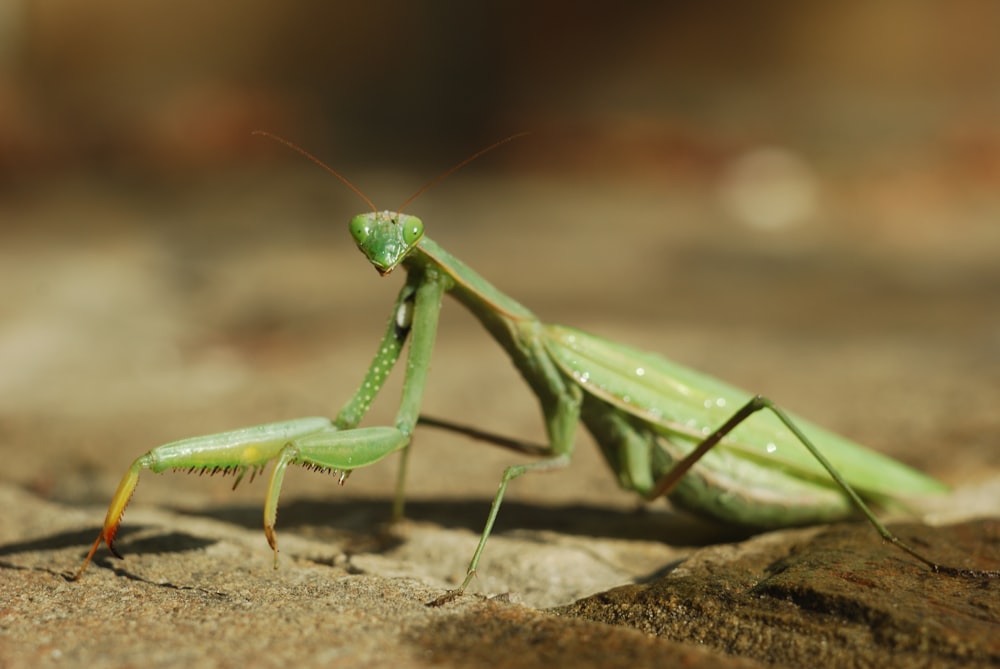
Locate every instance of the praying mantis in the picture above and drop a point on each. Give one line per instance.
(664, 429)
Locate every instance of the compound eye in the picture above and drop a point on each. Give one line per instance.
(361, 227)
(413, 230)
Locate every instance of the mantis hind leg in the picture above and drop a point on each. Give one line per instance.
(758, 403)
(561, 409)
(509, 474)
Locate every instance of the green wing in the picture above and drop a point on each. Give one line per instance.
(680, 402)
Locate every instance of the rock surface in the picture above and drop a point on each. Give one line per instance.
(132, 319)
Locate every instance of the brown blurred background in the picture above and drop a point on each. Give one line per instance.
(646, 86)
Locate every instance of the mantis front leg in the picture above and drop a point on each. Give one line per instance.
(234, 452)
(415, 315)
(337, 446)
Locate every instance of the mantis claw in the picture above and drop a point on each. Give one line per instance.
(447, 597)
(106, 536)
(90, 556)
(113, 519)
(272, 541)
(109, 541)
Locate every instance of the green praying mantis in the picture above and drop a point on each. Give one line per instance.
(665, 430)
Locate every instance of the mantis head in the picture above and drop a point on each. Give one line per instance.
(386, 237)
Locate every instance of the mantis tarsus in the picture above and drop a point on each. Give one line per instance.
(663, 429)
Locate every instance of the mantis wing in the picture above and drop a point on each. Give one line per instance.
(687, 406)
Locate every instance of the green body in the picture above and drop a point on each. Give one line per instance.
(645, 421)
(647, 414)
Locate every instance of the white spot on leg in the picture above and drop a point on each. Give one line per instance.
(404, 315)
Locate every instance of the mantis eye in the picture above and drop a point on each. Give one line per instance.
(360, 228)
(413, 230)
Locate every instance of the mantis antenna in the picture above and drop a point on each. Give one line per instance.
(447, 173)
(433, 182)
(295, 147)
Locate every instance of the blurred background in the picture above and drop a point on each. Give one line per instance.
(802, 198)
(646, 87)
